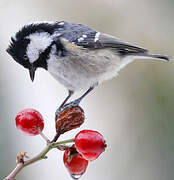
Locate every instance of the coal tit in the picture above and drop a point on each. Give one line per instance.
(76, 55)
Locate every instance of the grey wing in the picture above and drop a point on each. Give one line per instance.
(98, 40)
(78, 35)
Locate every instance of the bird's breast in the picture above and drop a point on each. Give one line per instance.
(84, 69)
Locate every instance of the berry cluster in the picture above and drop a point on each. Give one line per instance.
(86, 146)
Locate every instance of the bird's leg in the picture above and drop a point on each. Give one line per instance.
(77, 101)
(73, 103)
(70, 93)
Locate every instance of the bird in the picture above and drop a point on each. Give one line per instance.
(77, 56)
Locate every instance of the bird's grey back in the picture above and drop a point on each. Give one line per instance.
(72, 32)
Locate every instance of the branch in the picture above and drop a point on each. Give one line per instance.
(40, 156)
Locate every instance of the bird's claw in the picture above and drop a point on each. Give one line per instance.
(71, 104)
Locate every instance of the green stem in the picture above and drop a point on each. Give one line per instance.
(55, 144)
(43, 136)
(40, 156)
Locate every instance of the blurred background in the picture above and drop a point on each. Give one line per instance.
(134, 111)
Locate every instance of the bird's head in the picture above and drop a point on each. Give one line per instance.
(31, 46)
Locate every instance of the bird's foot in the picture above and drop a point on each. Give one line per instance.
(71, 104)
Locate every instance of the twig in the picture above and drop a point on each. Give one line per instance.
(44, 137)
(40, 156)
(12, 175)
(54, 145)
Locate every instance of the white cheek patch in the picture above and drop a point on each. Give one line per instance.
(38, 43)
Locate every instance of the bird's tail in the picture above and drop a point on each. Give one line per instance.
(144, 55)
(154, 56)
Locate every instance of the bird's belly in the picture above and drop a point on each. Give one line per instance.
(85, 70)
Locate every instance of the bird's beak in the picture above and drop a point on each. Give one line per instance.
(32, 70)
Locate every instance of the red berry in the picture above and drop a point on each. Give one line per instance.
(90, 144)
(74, 162)
(29, 121)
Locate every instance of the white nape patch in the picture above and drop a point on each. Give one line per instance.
(38, 43)
(56, 35)
(97, 36)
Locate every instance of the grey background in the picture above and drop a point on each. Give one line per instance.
(134, 111)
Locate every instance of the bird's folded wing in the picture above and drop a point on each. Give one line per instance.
(100, 41)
